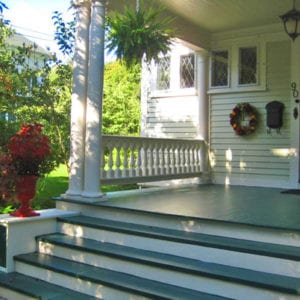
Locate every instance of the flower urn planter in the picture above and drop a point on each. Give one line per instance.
(25, 192)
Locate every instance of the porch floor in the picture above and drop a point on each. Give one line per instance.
(256, 206)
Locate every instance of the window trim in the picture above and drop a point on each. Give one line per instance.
(234, 86)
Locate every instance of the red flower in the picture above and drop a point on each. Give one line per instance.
(29, 148)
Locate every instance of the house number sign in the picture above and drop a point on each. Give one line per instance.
(294, 89)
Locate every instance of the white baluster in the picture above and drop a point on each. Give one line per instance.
(118, 163)
(132, 171)
(125, 161)
(110, 163)
(140, 162)
(168, 160)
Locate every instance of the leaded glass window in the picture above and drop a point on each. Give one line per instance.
(248, 65)
(219, 69)
(187, 71)
(163, 73)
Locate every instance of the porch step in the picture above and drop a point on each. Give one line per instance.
(23, 286)
(187, 237)
(101, 278)
(253, 255)
(155, 260)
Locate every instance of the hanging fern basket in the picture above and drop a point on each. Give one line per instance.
(138, 34)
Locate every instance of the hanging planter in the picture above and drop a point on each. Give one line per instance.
(243, 119)
(137, 35)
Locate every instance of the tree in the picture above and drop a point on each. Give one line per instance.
(34, 91)
(121, 104)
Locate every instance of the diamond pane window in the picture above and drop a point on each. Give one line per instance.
(163, 73)
(187, 71)
(219, 70)
(248, 65)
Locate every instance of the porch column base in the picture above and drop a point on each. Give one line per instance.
(84, 198)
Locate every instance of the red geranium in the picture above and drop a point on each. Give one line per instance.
(29, 149)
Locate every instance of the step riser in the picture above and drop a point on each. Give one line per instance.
(231, 258)
(220, 288)
(252, 233)
(77, 284)
(12, 295)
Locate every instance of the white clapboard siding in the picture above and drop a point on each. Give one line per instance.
(172, 117)
(259, 156)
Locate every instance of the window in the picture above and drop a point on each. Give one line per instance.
(175, 73)
(163, 73)
(187, 71)
(247, 65)
(238, 68)
(219, 69)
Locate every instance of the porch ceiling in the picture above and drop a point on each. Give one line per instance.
(200, 18)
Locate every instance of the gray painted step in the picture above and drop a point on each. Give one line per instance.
(193, 238)
(133, 284)
(263, 280)
(32, 287)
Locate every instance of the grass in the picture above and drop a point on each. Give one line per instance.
(55, 184)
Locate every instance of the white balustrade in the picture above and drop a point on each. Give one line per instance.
(140, 159)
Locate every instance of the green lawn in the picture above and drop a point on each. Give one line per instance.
(53, 185)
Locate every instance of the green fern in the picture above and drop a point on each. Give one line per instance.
(137, 35)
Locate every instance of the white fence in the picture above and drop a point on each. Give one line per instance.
(139, 159)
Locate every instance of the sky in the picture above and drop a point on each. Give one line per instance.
(32, 18)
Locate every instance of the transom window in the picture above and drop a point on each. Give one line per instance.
(187, 71)
(219, 69)
(248, 65)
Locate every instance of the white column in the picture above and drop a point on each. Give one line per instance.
(94, 101)
(202, 72)
(78, 101)
(295, 128)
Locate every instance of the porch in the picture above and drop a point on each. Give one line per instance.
(240, 205)
(189, 242)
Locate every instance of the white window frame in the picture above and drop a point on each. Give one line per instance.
(234, 85)
(174, 89)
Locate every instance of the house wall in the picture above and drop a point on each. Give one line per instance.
(170, 113)
(172, 117)
(259, 159)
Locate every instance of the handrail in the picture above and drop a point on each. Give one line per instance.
(142, 159)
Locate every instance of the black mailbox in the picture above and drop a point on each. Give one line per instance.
(274, 115)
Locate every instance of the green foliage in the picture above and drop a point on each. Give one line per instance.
(121, 105)
(64, 33)
(139, 34)
(34, 88)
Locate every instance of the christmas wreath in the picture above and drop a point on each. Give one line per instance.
(243, 119)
